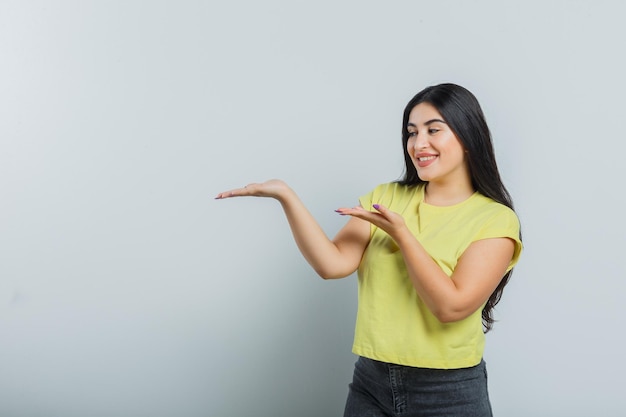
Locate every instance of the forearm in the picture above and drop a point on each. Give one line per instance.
(319, 251)
(330, 259)
(431, 283)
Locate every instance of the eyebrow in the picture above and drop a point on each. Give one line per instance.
(428, 123)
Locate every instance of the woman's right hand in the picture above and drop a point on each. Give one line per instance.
(272, 188)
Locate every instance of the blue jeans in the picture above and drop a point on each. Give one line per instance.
(380, 389)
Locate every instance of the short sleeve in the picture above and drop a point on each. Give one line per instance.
(504, 223)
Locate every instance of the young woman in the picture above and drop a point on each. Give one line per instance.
(433, 253)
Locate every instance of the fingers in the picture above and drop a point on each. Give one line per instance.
(225, 194)
(376, 216)
(237, 192)
(351, 211)
(379, 208)
(359, 212)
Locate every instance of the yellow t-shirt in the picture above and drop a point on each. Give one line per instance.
(393, 324)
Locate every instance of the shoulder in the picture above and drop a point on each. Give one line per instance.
(491, 219)
(490, 212)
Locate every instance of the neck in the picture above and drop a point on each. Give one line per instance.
(447, 194)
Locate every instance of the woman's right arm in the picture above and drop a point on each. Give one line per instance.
(336, 258)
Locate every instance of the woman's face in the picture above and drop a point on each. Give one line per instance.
(436, 152)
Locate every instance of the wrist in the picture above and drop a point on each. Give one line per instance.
(286, 195)
(403, 236)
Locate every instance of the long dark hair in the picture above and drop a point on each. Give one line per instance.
(462, 112)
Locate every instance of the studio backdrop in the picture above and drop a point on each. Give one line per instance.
(126, 290)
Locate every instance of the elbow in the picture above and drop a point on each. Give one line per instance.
(324, 274)
(327, 275)
(330, 273)
(447, 316)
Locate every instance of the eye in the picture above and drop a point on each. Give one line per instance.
(412, 134)
(433, 130)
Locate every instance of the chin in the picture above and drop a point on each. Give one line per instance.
(424, 177)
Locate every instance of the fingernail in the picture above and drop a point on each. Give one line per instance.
(376, 206)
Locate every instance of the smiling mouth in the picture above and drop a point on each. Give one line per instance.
(426, 158)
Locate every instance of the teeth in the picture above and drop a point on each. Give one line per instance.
(426, 158)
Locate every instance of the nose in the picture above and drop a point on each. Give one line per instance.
(421, 142)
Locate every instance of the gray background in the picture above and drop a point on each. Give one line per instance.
(126, 290)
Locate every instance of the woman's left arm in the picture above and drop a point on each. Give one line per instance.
(476, 276)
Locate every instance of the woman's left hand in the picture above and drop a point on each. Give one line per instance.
(391, 222)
